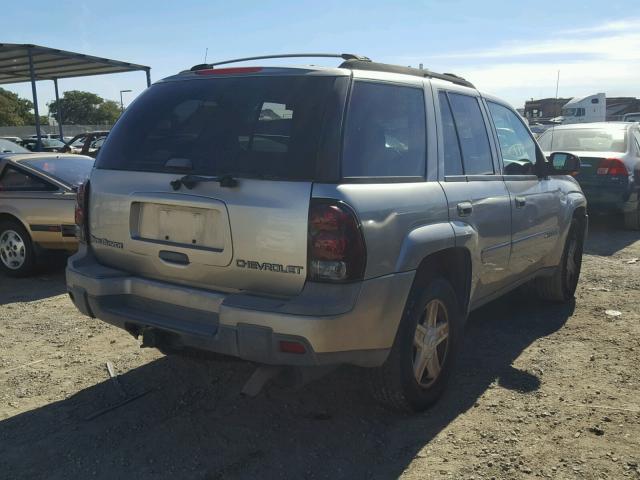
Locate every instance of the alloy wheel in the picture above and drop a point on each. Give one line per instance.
(430, 343)
(12, 249)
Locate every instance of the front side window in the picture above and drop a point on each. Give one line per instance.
(385, 132)
(472, 133)
(518, 149)
(14, 180)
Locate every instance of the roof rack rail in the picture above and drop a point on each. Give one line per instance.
(356, 64)
(344, 56)
(351, 61)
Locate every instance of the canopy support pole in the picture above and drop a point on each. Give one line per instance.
(148, 72)
(32, 74)
(58, 110)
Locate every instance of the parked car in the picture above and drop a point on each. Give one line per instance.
(54, 136)
(631, 117)
(37, 199)
(610, 173)
(12, 139)
(47, 144)
(7, 146)
(232, 210)
(87, 143)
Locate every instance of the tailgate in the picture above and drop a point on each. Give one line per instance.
(252, 237)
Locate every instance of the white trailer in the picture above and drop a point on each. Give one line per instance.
(592, 108)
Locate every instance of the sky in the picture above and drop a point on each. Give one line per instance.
(512, 49)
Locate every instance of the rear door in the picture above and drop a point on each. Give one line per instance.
(478, 200)
(158, 209)
(536, 200)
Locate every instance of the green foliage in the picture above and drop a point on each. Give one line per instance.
(15, 111)
(85, 108)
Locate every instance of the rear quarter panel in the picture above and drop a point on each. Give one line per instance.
(401, 222)
(35, 209)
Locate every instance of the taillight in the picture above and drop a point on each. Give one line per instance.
(336, 246)
(82, 211)
(612, 166)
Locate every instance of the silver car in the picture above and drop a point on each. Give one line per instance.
(318, 216)
(610, 164)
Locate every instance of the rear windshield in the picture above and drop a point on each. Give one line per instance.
(584, 140)
(259, 127)
(71, 170)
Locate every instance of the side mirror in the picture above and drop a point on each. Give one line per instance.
(563, 163)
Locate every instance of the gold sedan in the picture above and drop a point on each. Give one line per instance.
(37, 201)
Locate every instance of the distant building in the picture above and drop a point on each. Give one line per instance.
(618, 106)
(544, 109)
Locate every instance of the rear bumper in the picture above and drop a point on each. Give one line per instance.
(354, 323)
(610, 197)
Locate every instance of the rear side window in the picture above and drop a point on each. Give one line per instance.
(14, 180)
(452, 156)
(258, 127)
(472, 132)
(71, 170)
(384, 134)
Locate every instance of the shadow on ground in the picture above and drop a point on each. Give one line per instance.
(48, 282)
(194, 424)
(607, 235)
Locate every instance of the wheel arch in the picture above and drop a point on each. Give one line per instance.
(6, 216)
(453, 264)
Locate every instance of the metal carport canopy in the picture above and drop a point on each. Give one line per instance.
(30, 63)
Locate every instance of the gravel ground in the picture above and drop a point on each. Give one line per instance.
(541, 391)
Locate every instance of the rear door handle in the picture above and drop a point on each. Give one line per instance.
(174, 257)
(465, 209)
(520, 202)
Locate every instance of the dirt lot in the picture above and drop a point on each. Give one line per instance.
(541, 391)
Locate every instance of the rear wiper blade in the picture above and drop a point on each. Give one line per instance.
(190, 181)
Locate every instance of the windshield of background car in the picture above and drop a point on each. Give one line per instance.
(71, 170)
(584, 140)
(257, 127)
(52, 142)
(9, 147)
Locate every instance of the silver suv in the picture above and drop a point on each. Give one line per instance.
(316, 216)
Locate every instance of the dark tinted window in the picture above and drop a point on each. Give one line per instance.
(13, 180)
(476, 153)
(71, 170)
(262, 126)
(518, 149)
(452, 157)
(385, 132)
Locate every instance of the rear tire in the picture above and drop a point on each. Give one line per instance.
(632, 219)
(561, 287)
(425, 347)
(17, 255)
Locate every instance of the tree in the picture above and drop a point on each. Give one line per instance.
(85, 108)
(15, 111)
